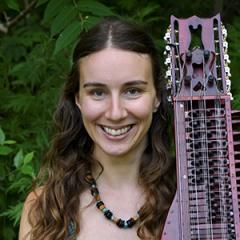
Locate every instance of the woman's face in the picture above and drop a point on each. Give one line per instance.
(117, 99)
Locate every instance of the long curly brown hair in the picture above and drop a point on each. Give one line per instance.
(69, 158)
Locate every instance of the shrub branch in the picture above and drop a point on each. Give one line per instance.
(4, 28)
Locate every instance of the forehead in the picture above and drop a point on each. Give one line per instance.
(113, 65)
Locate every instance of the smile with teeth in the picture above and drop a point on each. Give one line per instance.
(116, 132)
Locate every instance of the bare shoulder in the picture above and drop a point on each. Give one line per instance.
(25, 226)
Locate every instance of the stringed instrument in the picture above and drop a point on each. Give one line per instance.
(207, 132)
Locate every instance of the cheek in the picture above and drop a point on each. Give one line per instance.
(143, 113)
(143, 109)
(90, 111)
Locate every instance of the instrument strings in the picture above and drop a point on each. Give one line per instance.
(207, 181)
(175, 52)
(207, 207)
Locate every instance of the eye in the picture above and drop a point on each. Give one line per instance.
(133, 92)
(97, 93)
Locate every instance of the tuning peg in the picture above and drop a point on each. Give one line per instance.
(225, 46)
(169, 85)
(169, 91)
(169, 98)
(230, 94)
(228, 88)
(224, 32)
(167, 61)
(167, 36)
(168, 74)
(228, 85)
(226, 59)
(168, 48)
(227, 71)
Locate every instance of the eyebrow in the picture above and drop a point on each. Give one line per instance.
(131, 83)
(93, 84)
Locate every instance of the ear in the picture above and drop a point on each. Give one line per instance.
(77, 101)
(156, 105)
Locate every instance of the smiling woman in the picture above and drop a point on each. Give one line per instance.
(117, 105)
(110, 148)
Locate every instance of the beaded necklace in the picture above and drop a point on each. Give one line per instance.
(107, 213)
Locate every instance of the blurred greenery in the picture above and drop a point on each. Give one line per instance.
(36, 42)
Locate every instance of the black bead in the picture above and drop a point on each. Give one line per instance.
(120, 223)
(131, 222)
(94, 191)
(108, 214)
(99, 204)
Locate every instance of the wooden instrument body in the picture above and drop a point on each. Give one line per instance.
(207, 135)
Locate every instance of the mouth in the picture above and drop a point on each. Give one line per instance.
(116, 132)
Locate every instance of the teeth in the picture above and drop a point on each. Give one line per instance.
(116, 132)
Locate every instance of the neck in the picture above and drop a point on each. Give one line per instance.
(119, 171)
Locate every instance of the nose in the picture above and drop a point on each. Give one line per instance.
(116, 109)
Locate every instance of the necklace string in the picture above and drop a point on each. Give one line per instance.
(125, 224)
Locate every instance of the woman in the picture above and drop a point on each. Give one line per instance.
(108, 173)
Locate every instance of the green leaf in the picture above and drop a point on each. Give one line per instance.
(17, 68)
(64, 18)
(52, 9)
(20, 102)
(148, 10)
(20, 185)
(128, 5)
(9, 142)
(13, 4)
(28, 158)
(94, 7)
(68, 36)
(4, 150)
(13, 213)
(41, 2)
(90, 21)
(3, 173)
(8, 232)
(2, 137)
(18, 159)
(27, 170)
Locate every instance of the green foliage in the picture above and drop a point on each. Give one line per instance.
(69, 34)
(17, 174)
(34, 62)
(13, 213)
(12, 4)
(69, 18)
(234, 52)
(35, 58)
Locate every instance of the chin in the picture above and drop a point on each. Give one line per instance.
(114, 151)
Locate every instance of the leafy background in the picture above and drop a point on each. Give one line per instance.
(36, 42)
